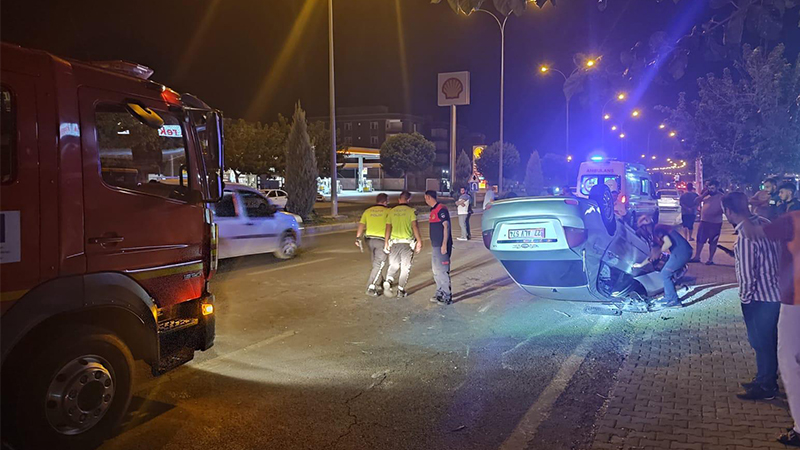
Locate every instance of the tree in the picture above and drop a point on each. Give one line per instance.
(746, 124)
(534, 180)
(555, 170)
(301, 167)
(489, 162)
(463, 170)
(239, 136)
(504, 7)
(404, 153)
(320, 135)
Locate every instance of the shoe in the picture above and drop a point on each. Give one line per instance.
(674, 304)
(747, 385)
(461, 239)
(372, 292)
(758, 393)
(709, 263)
(401, 293)
(436, 298)
(444, 301)
(387, 289)
(694, 260)
(791, 438)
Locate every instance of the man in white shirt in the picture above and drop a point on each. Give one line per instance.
(464, 203)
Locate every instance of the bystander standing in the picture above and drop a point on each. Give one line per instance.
(765, 201)
(688, 204)
(489, 196)
(464, 204)
(788, 202)
(757, 274)
(710, 221)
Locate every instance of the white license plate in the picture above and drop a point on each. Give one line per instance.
(527, 233)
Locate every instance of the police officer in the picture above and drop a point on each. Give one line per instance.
(402, 240)
(442, 243)
(373, 227)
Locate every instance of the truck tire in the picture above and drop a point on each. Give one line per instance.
(601, 194)
(287, 247)
(73, 394)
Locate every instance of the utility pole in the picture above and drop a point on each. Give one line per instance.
(334, 184)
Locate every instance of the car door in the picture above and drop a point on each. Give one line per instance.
(139, 184)
(261, 221)
(230, 219)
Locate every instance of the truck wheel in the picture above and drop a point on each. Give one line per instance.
(601, 194)
(74, 393)
(287, 248)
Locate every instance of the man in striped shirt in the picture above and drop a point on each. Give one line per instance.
(757, 274)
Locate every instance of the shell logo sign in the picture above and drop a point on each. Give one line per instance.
(453, 88)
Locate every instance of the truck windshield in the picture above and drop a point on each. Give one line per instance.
(590, 181)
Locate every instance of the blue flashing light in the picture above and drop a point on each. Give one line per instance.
(596, 158)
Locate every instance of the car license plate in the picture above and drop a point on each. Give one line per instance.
(528, 233)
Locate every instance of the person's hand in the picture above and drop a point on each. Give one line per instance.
(358, 241)
(418, 247)
(444, 249)
(386, 248)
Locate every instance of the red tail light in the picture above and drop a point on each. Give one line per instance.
(623, 199)
(487, 238)
(571, 201)
(575, 236)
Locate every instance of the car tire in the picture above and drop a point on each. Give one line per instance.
(72, 394)
(601, 195)
(287, 247)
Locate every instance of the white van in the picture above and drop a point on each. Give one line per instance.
(637, 194)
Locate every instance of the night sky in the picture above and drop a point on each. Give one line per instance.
(254, 59)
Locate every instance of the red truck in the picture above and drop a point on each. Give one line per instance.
(106, 241)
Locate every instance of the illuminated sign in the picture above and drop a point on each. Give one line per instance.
(173, 131)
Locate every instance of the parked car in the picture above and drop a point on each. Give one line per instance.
(277, 197)
(636, 189)
(571, 249)
(668, 199)
(250, 224)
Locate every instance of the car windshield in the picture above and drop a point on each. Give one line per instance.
(590, 181)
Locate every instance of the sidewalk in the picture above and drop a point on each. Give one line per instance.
(677, 387)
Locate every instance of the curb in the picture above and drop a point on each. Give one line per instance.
(323, 229)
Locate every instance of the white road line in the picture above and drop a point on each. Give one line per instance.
(260, 272)
(485, 307)
(538, 412)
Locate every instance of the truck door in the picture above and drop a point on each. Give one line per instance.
(141, 217)
(19, 187)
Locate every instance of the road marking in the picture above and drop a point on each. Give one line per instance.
(260, 272)
(485, 307)
(539, 411)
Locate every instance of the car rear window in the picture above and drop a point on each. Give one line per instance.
(590, 181)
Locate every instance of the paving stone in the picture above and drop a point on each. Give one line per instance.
(677, 387)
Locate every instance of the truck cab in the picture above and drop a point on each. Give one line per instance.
(106, 240)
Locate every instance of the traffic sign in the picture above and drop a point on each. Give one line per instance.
(473, 186)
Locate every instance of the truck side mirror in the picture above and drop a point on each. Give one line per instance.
(215, 158)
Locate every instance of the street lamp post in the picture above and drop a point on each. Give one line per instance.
(334, 190)
(590, 63)
(502, 25)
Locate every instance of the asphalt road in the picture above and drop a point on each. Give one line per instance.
(304, 360)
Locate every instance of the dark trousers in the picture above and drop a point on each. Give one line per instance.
(761, 319)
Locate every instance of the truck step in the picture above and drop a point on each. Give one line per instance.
(172, 360)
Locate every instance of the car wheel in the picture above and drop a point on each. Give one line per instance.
(72, 394)
(287, 248)
(601, 194)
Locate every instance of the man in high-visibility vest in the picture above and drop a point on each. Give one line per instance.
(402, 240)
(373, 227)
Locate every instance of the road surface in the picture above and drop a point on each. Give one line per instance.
(304, 360)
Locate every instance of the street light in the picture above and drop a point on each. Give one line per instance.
(662, 126)
(569, 158)
(334, 191)
(545, 69)
(672, 134)
(642, 156)
(654, 157)
(621, 96)
(614, 128)
(622, 135)
(635, 113)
